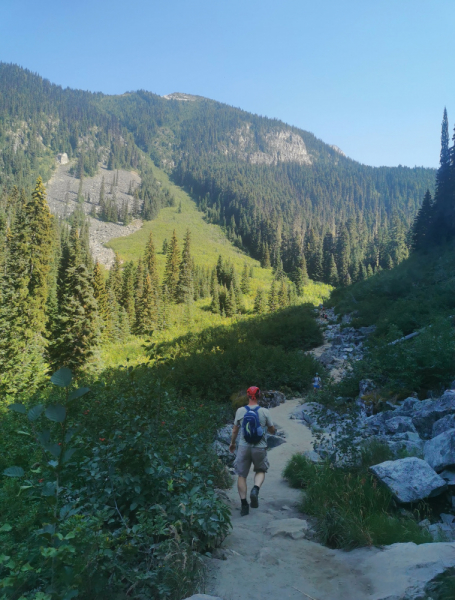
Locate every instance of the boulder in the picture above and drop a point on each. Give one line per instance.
(222, 451)
(440, 451)
(376, 423)
(224, 434)
(293, 528)
(270, 399)
(411, 447)
(448, 476)
(274, 440)
(441, 532)
(426, 413)
(399, 425)
(407, 407)
(365, 386)
(444, 424)
(409, 479)
(312, 456)
(447, 518)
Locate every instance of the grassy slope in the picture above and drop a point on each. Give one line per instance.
(208, 242)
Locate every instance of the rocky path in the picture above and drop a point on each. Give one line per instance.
(268, 555)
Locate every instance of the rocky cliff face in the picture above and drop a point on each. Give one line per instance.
(269, 148)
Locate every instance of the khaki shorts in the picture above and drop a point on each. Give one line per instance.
(247, 455)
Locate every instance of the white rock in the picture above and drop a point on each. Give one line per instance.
(294, 528)
(409, 479)
(440, 451)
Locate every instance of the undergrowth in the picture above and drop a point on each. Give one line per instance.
(350, 507)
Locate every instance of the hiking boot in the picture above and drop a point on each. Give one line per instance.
(245, 510)
(254, 497)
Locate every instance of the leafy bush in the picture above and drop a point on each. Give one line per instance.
(351, 508)
(222, 360)
(117, 501)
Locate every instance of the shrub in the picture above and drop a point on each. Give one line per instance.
(351, 509)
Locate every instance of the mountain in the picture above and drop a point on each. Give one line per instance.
(278, 191)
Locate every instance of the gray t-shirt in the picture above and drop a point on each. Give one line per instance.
(264, 419)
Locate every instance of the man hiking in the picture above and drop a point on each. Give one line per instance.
(317, 382)
(252, 421)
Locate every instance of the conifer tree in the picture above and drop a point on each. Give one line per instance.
(443, 200)
(423, 224)
(282, 296)
(76, 337)
(185, 290)
(150, 262)
(165, 318)
(100, 293)
(114, 281)
(23, 310)
(171, 273)
(128, 291)
(165, 247)
(273, 300)
(245, 282)
(231, 304)
(139, 290)
(148, 310)
(260, 302)
(343, 255)
(300, 275)
(332, 276)
(215, 304)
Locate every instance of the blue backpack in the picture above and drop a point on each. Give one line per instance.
(252, 429)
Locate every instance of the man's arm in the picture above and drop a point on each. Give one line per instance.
(235, 433)
(272, 429)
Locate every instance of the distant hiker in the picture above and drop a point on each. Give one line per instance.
(317, 382)
(252, 421)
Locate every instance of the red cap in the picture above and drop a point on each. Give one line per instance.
(253, 391)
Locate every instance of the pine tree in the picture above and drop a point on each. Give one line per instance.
(77, 333)
(231, 305)
(100, 293)
(343, 255)
(215, 304)
(273, 300)
(300, 275)
(185, 290)
(282, 296)
(26, 277)
(150, 262)
(139, 291)
(443, 200)
(114, 281)
(171, 273)
(165, 316)
(245, 282)
(265, 262)
(260, 302)
(423, 224)
(165, 247)
(332, 276)
(128, 292)
(148, 309)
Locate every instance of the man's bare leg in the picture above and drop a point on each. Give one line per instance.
(258, 479)
(241, 486)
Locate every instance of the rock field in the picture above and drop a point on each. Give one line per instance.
(62, 190)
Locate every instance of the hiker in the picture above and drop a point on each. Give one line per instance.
(252, 421)
(317, 382)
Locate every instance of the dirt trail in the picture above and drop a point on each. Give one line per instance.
(261, 567)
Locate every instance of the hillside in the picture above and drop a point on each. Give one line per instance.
(278, 191)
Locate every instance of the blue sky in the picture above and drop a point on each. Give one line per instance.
(370, 76)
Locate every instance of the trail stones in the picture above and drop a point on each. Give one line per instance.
(399, 425)
(274, 440)
(440, 451)
(293, 528)
(409, 479)
(271, 399)
(426, 413)
(444, 424)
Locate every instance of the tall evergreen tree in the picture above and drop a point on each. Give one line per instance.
(128, 292)
(115, 281)
(423, 224)
(150, 262)
(171, 273)
(185, 290)
(245, 282)
(148, 309)
(77, 334)
(273, 300)
(443, 204)
(260, 302)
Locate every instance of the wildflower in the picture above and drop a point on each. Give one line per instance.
(102, 439)
(40, 480)
(163, 422)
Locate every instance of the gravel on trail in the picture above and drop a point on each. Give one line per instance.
(263, 559)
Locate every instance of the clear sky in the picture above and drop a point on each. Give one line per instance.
(371, 76)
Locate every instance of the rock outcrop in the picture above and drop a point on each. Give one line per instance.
(409, 479)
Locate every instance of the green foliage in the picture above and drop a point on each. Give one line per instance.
(220, 360)
(117, 493)
(351, 508)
